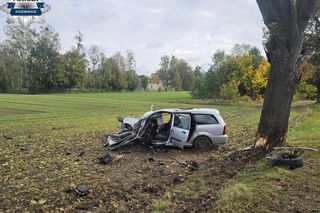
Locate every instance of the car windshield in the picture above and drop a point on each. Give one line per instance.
(147, 114)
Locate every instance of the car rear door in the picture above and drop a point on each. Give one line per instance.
(180, 130)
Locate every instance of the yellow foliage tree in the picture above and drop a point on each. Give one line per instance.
(245, 74)
(259, 82)
(177, 81)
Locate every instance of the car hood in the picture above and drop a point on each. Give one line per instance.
(130, 121)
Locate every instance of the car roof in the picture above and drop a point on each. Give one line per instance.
(191, 110)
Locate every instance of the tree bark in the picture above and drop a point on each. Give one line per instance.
(286, 21)
(275, 114)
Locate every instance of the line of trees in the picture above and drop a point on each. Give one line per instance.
(31, 61)
(244, 73)
(174, 73)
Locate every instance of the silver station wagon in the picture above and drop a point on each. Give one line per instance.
(199, 128)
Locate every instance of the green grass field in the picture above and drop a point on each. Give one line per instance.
(40, 136)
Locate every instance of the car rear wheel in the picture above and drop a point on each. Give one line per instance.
(202, 143)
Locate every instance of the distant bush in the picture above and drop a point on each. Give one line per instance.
(230, 91)
(199, 87)
(246, 98)
(305, 91)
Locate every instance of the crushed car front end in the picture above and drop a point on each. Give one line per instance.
(129, 132)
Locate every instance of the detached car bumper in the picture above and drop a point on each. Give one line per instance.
(118, 140)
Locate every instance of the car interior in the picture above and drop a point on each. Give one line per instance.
(159, 127)
(162, 130)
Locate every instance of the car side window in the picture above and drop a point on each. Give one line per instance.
(181, 121)
(202, 119)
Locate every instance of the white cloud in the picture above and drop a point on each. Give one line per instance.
(190, 29)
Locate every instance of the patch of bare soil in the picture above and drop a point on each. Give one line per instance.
(42, 181)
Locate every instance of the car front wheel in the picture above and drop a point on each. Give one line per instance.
(202, 143)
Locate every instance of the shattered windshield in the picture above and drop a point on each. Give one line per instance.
(147, 114)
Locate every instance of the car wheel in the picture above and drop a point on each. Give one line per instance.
(293, 161)
(202, 143)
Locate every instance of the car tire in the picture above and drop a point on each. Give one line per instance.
(292, 161)
(202, 143)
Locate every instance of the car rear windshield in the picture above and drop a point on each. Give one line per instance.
(203, 119)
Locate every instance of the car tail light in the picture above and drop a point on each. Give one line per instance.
(225, 130)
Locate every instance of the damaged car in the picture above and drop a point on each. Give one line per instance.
(200, 128)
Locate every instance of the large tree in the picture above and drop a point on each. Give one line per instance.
(45, 72)
(18, 47)
(286, 21)
(95, 59)
(75, 69)
(163, 72)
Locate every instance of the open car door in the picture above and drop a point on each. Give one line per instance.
(180, 130)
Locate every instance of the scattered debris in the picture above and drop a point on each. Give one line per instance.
(77, 152)
(248, 148)
(104, 160)
(22, 147)
(107, 159)
(151, 159)
(79, 190)
(118, 157)
(36, 203)
(160, 162)
(194, 166)
(177, 180)
(82, 191)
(159, 173)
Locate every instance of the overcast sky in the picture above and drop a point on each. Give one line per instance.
(189, 29)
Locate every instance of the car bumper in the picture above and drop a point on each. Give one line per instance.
(223, 139)
(111, 142)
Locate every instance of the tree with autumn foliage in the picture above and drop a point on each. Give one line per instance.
(242, 73)
(175, 73)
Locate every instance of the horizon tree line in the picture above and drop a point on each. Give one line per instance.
(31, 61)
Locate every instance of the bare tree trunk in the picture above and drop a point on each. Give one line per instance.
(286, 21)
(21, 80)
(275, 113)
